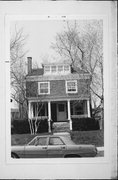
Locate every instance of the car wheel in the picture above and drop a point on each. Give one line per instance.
(72, 156)
(14, 156)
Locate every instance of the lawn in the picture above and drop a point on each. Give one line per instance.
(79, 137)
(88, 137)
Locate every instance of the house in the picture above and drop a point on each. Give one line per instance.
(14, 110)
(57, 92)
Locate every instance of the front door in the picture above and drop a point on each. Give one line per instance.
(61, 112)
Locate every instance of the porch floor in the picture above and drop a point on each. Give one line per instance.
(61, 127)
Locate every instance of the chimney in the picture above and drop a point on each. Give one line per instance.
(29, 68)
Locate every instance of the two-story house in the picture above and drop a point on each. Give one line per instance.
(61, 93)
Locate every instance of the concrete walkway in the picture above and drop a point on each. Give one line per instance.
(100, 148)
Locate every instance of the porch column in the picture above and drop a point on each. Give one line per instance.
(29, 110)
(69, 114)
(88, 108)
(49, 116)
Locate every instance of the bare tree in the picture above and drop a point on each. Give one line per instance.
(81, 44)
(18, 70)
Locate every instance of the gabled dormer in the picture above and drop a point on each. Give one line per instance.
(56, 69)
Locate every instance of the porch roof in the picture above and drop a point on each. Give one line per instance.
(57, 99)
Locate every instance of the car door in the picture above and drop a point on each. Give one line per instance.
(37, 148)
(56, 147)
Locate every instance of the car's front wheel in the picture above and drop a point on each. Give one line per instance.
(72, 156)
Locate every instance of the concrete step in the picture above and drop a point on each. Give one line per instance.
(61, 127)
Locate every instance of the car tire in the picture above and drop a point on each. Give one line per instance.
(72, 156)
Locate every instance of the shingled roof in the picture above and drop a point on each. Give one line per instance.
(36, 72)
(40, 71)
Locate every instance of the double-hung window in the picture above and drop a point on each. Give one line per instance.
(71, 86)
(47, 69)
(44, 87)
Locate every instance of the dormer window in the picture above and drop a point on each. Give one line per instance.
(56, 69)
(66, 68)
(53, 69)
(60, 68)
(47, 69)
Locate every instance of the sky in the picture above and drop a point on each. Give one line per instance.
(40, 36)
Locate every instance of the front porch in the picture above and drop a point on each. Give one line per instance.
(58, 111)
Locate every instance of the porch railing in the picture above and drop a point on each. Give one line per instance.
(40, 117)
(79, 116)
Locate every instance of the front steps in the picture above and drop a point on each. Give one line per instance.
(61, 127)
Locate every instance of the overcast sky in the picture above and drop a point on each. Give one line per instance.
(40, 36)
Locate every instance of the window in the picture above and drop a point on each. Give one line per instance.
(47, 69)
(66, 68)
(71, 86)
(53, 69)
(60, 68)
(33, 142)
(61, 107)
(42, 141)
(39, 141)
(78, 109)
(44, 88)
(55, 141)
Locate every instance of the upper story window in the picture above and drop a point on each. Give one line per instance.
(53, 69)
(47, 69)
(71, 86)
(60, 68)
(44, 87)
(66, 68)
(56, 69)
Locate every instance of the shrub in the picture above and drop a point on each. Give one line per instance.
(84, 124)
(22, 126)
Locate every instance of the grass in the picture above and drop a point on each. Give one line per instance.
(88, 137)
(79, 137)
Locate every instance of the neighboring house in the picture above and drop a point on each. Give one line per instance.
(14, 110)
(64, 93)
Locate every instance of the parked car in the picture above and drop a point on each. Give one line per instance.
(53, 146)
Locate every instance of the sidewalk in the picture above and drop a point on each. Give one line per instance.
(100, 148)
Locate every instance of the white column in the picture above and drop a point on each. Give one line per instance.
(88, 108)
(69, 114)
(29, 110)
(49, 116)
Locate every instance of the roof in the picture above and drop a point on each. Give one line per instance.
(36, 72)
(40, 72)
(56, 64)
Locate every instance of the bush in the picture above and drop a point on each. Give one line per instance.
(43, 126)
(84, 124)
(22, 126)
